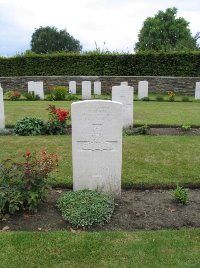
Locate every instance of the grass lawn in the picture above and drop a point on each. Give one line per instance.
(173, 113)
(179, 248)
(148, 160)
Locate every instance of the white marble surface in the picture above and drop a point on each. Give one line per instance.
(142, 89)
(72, 87)
(2, 113)
(86, 90)
(97, 88)
(97, 145)
(197, 91)
(124, 94)
(124, 83)
(37, 87)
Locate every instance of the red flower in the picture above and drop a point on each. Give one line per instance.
(27, 154)
(43, 152)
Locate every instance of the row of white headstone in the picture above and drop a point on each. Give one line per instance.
(38, 88)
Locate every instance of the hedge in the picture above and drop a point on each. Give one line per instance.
(143, 64)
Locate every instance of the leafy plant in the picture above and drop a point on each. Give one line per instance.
(129, 132)
(145, 99)
(59, 93)
(171, 95)
(86, 207)
(31, 96)
(29, 126)
(24, 185)
(13, 95)
(56, 123)
(143, 130)
(185, 99)
(180, 194)
(72, 98)
(185, 127)
(159, 98)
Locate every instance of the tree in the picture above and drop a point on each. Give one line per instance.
(165, 32)
(50, 39)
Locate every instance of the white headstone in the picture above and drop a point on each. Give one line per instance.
(97, 145)
(142, 89)
(97, 88)
(124, 83)
(72, 87)
(197, 91)
(2, 114)
(37, 87)
(86, 90)
(124, 94)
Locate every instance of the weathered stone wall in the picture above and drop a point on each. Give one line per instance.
(181, 85)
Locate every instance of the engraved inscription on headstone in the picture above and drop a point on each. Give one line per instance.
(142, 89)
(197, 91)
(124, 94)
(86, 90)
(97, 145)
(97, 88)
(2, 115)
(72, 87)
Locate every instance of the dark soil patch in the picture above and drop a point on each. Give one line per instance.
(175, 131)
(137, 209)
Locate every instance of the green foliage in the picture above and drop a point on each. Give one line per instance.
(72, 97)
(86, 207)
(13, 95)
(31, 96)
(185, 99)
(180, 194)
(56, 123)
(159, 98)
(143, 130)
(129, 132)
(142, 64)
(185, 127)
(50, 39)
(24, 185)
(29, 126)
(165, 32)
(58, 93)
(145, 99)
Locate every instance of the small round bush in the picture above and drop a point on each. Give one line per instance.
(84, 208)
(145, 99)
(159, 98)
(29, 126)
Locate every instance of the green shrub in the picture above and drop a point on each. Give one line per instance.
(143, 130)
(86, 207)
(31, 96)
(13, 95)
(145, 99)
(129, 132)
(72, 98)
(59, 93)
(159, 98)
(56, 123)
(29, 126)
(185, 127)
(185, 99)
(23, 186)
(180, 194)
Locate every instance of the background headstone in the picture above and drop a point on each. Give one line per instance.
(124, 83)
(72, 87)
(142, 89)
(86, 90)
(37, 87)
(2, 114)
(97, 88)
(97, 145)
(197, 91)
(124, 94)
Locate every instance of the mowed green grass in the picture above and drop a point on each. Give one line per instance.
(180, 248)
(147, 160)
(173, 113)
